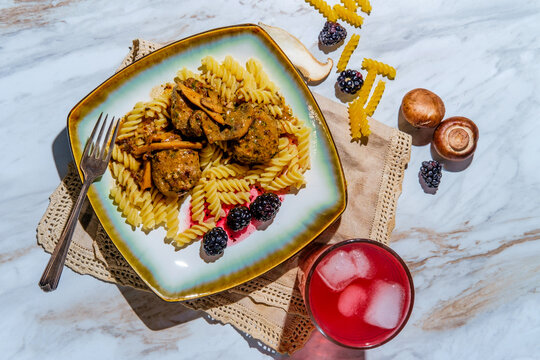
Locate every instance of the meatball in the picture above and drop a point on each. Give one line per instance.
(237, 123)
(260, 143)
(175, 171)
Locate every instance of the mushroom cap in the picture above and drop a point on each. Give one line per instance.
(455, 138)
(422, 108)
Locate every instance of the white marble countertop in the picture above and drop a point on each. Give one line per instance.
(473, 247)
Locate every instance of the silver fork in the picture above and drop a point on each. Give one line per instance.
(94, 160)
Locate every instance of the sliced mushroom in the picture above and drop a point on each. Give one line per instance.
(237, 123)
(312, 69)
(212, 105)
(196, 98)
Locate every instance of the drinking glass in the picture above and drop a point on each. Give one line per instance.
(359, 293)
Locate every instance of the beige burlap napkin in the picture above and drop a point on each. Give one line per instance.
(270, 307)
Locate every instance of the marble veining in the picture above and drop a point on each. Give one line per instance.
(473, 246)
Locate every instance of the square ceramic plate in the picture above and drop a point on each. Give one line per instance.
(181, 275)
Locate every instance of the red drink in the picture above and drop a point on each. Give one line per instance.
(359, 293)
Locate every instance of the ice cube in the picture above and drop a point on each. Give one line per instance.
(351, 300)
(385, 306)
(338, 270)
(362, 263)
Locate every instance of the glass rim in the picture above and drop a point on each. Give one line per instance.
(331, 248)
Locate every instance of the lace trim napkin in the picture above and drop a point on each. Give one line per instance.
(270, 307)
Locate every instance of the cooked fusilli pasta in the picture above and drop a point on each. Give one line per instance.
(125, 179)
(131, 121)
(232, 198)
(287, 127)
(211, 195)
(125, 159)
(189, 235)
(291, 177)
(127, 209)
(303, 148)
(197, 202)
(276, 165)
(259, 96)
(171, 217)
(224, 171)
(232, 185)
(263, 82)
(185, 73)
(148, 220)
(234, 68)
(223, 182)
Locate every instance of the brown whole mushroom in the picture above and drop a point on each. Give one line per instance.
(455, 138)
(422, 108)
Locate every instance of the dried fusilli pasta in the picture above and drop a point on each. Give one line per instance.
(347, 52)
(358, 120)
(324, 9)
(363, 94)
(350, 4)
(375, 98)
(348, 16)
(379, 67)
(365, 6)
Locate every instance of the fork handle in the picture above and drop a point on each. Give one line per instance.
(51, 275)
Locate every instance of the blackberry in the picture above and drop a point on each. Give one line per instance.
(332, 33)
(431, 172)
(350, 81)
(215, 241)
(265, 206)
(238, 218)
